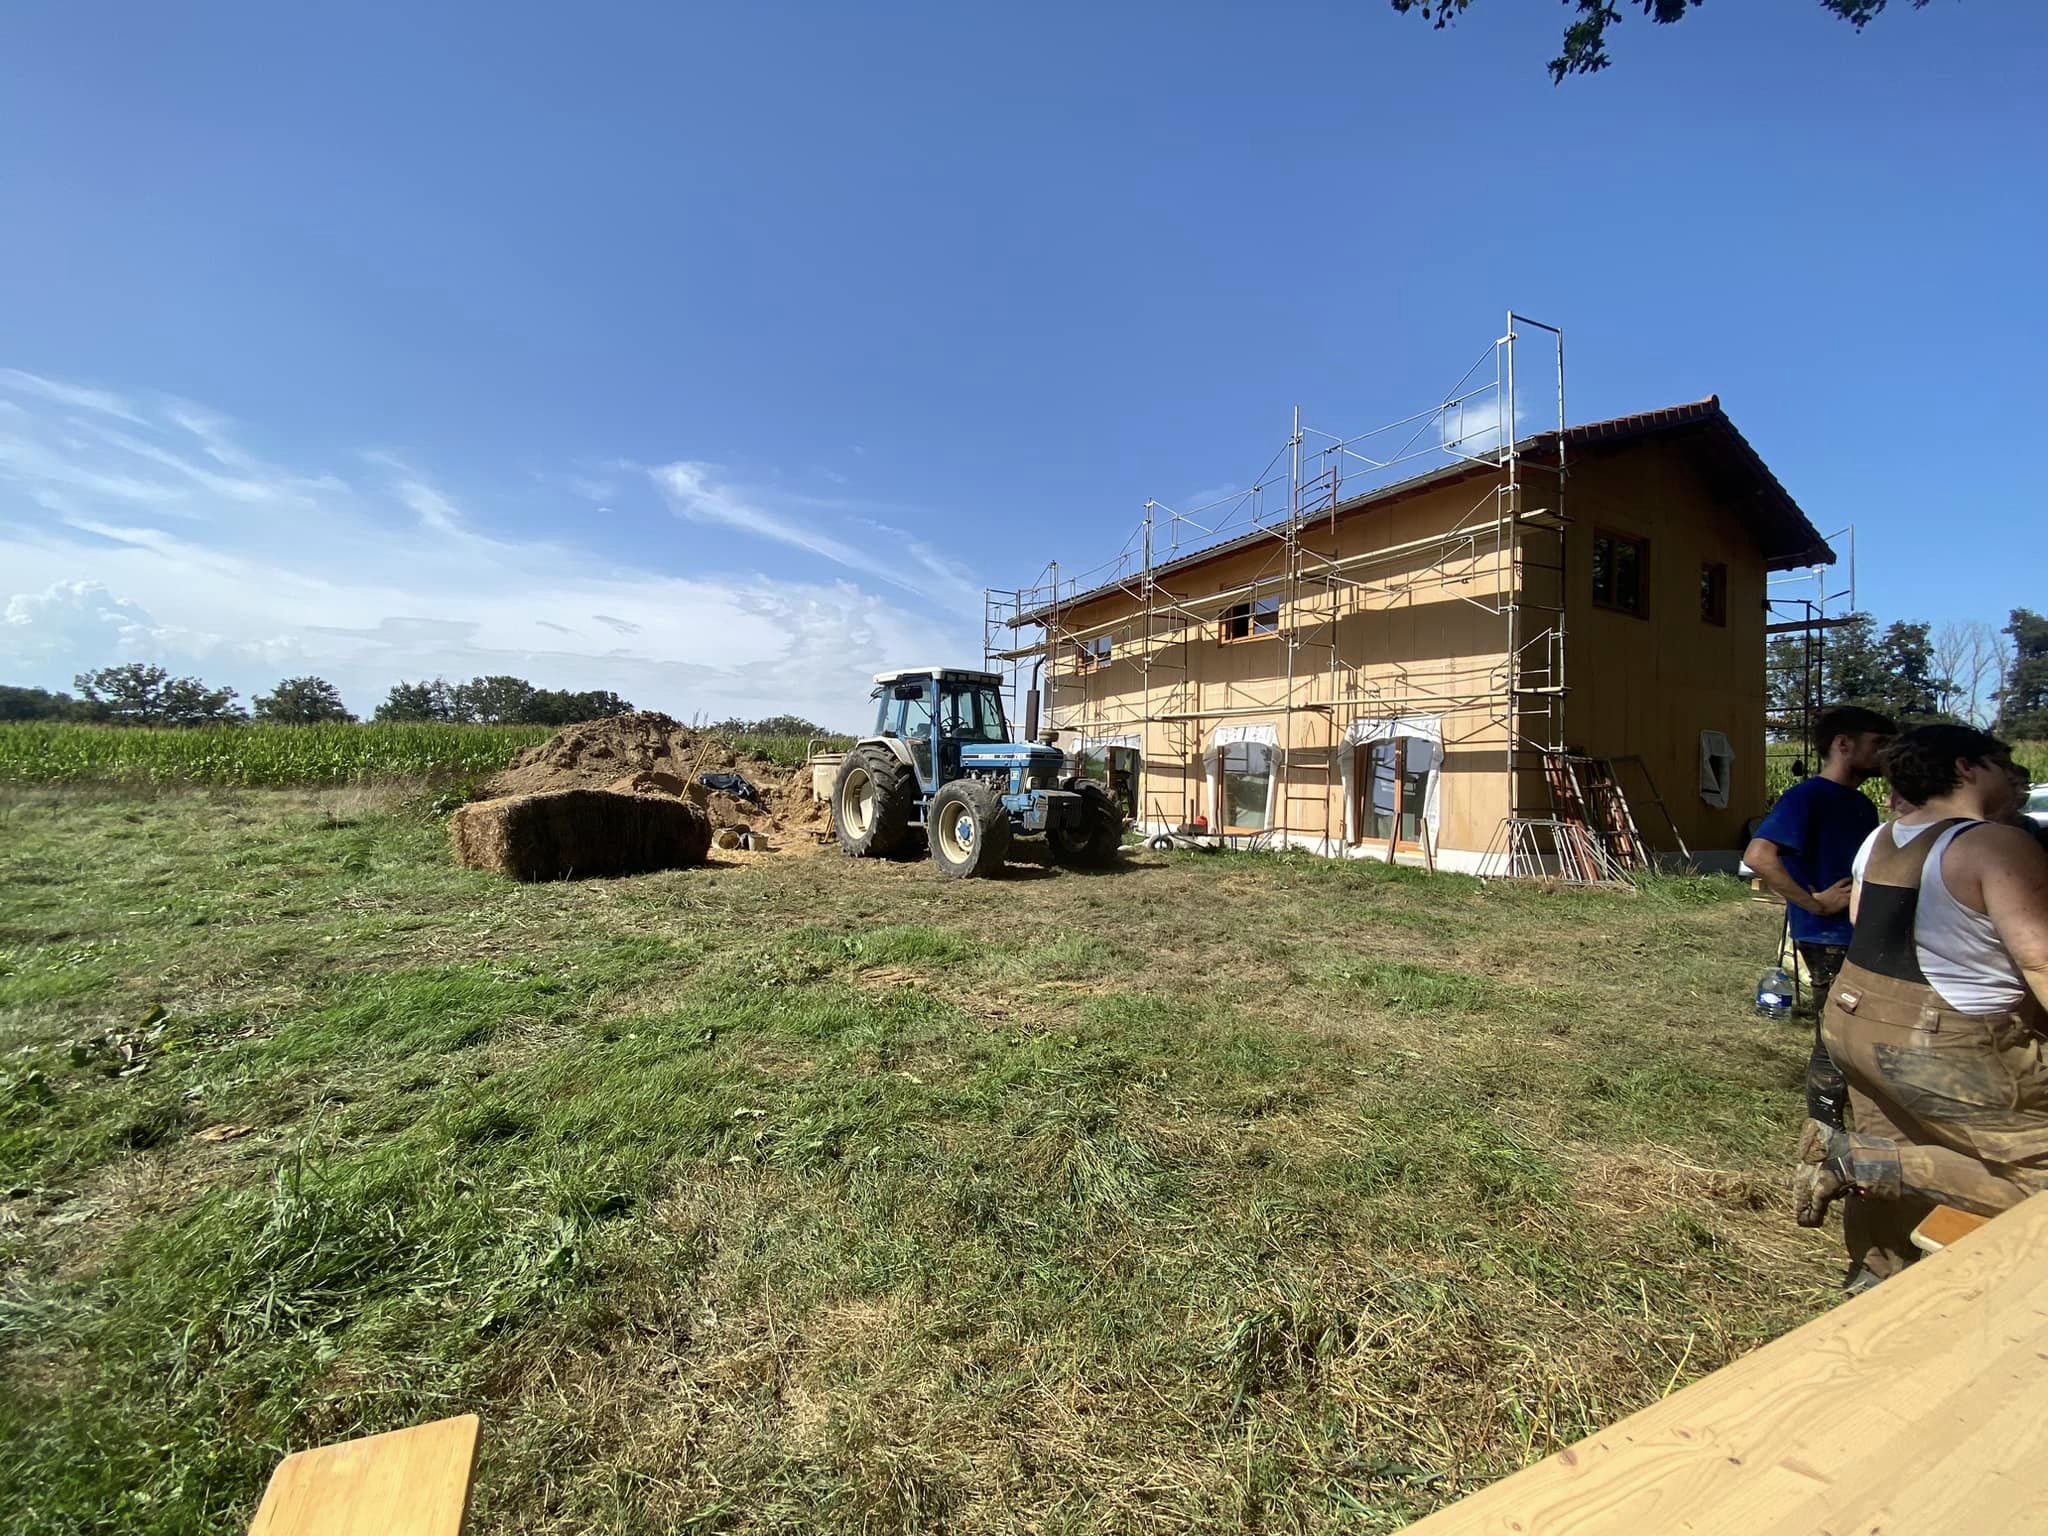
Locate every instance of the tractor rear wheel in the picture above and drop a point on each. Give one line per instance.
(1097, 840)
(874, 802)
(968, 828)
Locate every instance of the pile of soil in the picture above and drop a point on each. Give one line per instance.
(649, 753)
(572, 833)
(598, 752)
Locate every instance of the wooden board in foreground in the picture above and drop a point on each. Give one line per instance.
(411, 1482)
(1920, 1407)
(1944, 1224)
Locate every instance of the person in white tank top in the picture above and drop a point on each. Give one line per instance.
(1939, 1019)
(1959, 949)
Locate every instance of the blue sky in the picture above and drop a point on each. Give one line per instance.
(722, 355)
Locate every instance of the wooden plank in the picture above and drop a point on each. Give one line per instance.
(411, 1482)
(1920, 1406)
(1944, 1224)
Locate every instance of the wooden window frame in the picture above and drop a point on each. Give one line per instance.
(1642, 544)
(1714, 577)
(1361, 794)
(1087, 656)
(1250, 610)
(1222, 754)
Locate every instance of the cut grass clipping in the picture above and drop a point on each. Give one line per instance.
(1224, 1193)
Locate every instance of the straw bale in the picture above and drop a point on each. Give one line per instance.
(566, 834)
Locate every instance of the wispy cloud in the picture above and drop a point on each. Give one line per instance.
(133, 527)
(77, 396)
(696, 493)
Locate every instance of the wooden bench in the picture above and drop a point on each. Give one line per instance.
(411, 1482)
(1919, 1407)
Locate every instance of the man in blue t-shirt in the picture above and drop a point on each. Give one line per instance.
(1803, 851)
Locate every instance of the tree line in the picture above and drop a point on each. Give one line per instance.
(138, 693)
(1994, 678)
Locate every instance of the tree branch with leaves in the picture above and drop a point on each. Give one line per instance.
(1585, 39)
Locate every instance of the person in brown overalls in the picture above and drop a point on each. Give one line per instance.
(1937, 1017)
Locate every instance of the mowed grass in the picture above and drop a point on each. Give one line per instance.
(1218, 1193)
(261, 755)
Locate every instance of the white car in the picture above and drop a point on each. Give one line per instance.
(2036, 807)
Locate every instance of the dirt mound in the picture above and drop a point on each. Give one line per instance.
(599, 752)
(652, 754)
(570, 833)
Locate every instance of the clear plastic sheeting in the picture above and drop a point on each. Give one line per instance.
(1244, 778)
(1423, 758)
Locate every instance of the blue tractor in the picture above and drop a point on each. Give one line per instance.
(941, 758)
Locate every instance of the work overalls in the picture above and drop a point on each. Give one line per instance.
(1948, 1107)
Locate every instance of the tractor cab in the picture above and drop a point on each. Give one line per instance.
(952, 721)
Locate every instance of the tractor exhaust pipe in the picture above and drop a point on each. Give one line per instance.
(1031, 702)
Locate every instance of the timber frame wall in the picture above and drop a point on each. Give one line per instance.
(1446, 603)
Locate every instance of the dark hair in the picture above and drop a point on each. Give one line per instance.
(1848, 720)
(1921, 764)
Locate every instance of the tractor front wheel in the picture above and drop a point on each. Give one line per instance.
(874, 802)
(968, 829)
(1095, 843)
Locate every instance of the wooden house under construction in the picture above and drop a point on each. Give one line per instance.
(1459, 667)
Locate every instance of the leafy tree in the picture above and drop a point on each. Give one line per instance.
(1893, 671)
(774, 725)
(1787, 686)
(138, 693)
(553, 706)
(1585, 40)
(2023, 703)
(417, 701)
(496, 700)
(1911, 686)
(499, 700)
(302, 701)
(40, 704)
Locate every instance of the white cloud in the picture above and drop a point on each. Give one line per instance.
(1472, 428)
(77, 396)
(117, 547)
(886, 553)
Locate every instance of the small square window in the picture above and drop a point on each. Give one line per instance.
(1249, 621)
(1714, 593)
(1621, 572)
(1092, 653)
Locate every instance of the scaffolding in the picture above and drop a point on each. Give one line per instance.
(1799, 606)
(1502, 555)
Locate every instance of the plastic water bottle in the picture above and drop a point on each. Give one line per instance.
(1774, 994)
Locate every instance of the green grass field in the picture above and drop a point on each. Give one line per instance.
(1214, 1194)
(288, 756)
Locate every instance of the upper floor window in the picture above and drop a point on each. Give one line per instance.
(1714, 593)
(1621, 572)
(1248, 621)
(1092, 653)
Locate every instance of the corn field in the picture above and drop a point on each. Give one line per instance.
(258, 756)
(277, 756)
